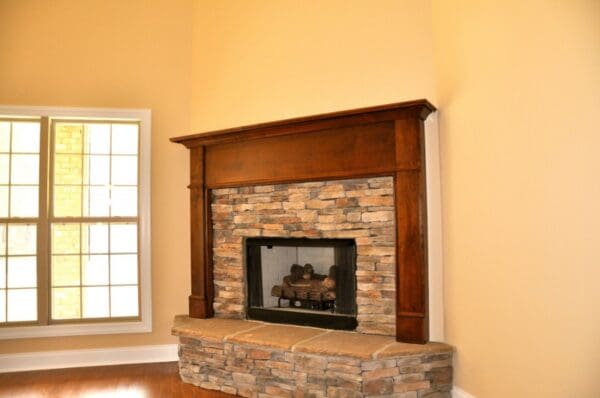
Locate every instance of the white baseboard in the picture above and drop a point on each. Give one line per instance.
(90, 357)
(460, 393)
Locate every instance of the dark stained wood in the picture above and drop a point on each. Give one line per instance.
(208, 253)
(140, 381)
(400, 110)
(200, 301)
(325, 154)
(412, 321)
(376, 141)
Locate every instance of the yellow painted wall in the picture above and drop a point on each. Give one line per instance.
(113, 54)
(265, 60)
(519, 93)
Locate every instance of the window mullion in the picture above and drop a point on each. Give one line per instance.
(43, 249)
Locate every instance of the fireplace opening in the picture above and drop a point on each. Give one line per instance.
(309, 282)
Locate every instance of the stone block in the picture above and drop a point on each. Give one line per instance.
(409, 377)
(332, 194)
(283, 374)
(440, 376)
(259, 354)
(259, 199)
(267, 206)
(376, 216)
(376, 250)
(243, 378)
(320, 204)
(330, 219)
(344, 380)
(337, 392)
(414, 386)
(435, 394)
(294, 205)
(339, 367)
(280, 365)
(264, 188)
(344, 361)
(310, 362)
(245, 219)
(207, 385)
(229, 390)
(354, 216)
(380, 373)
(274, 391)
(380, 191)
(378, 387)
(367, 201)
(378, 364)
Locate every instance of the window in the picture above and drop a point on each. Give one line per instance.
(19, 198)
(74, 222)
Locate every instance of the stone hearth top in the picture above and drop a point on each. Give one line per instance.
(301, 339)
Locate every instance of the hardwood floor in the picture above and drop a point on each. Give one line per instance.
(122, 381)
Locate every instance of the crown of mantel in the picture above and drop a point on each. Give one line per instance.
(410, 109)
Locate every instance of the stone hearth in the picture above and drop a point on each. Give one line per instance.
(256, 359)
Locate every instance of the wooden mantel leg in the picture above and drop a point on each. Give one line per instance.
(412, 321)
(200, 301)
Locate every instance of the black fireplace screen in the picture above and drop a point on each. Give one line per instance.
(302, 281)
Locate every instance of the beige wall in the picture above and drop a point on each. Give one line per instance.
(122, 54)
(519, 93)
(265, 60)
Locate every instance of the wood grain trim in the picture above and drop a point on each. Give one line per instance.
(333, 153)
(412, 316)
(198, 301)
(419, 109)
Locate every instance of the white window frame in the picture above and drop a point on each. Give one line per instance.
(144, 325)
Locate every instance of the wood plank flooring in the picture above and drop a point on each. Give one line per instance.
(126, 381)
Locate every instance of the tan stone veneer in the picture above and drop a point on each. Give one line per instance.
(254, 359)
(361, 209)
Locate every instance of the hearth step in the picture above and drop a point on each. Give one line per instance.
(252, 359)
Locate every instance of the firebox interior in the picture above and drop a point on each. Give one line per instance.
(309, 282)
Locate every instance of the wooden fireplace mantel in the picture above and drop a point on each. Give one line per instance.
(383, 140)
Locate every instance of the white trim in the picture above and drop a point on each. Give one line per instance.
(144, 217)
(434, 229)
(144, 116)
(24, 332)
(460, 393)
(59, 112)
(90, 357)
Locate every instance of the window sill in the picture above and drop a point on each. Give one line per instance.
(82, 329)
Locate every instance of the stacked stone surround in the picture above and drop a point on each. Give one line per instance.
(240, 364)
(360, 209)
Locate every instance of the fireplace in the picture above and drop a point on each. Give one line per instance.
(244, 184)
(309, 282)
(315, 221)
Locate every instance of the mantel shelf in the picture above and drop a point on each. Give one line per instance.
(418, 108)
